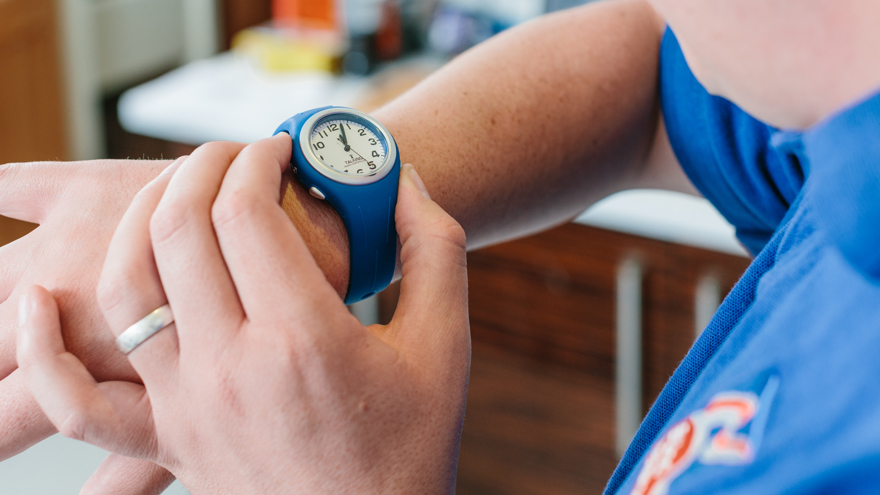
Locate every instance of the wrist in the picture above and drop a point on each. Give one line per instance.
(322, 230)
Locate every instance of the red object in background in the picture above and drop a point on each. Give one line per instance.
(314, 14)
(389, 37)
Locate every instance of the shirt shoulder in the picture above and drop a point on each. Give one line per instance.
(727, 153)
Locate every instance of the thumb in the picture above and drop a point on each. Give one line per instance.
(431, 316)
(116, 416)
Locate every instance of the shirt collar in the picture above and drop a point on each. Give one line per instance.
(843, 163)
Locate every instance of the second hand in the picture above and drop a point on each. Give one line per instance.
(349, 148)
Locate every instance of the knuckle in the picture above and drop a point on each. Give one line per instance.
(443, 234)
(169, 219)
(232, 205)
(218, 147)
(110, 290)
(75, 425)
(249, 152)
(118, 284)
(451, 231)
(218, 152)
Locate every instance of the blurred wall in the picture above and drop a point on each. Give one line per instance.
(109, 45)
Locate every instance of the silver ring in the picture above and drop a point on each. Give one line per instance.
(148, 326)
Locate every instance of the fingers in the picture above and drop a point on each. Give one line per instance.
(28, 191)
(432, 312)
(187, 255)
(120, 475)
(22, 422)
(130, 287)
(270, 264)
(113, 415)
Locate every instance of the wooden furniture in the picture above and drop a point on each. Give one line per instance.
(11, 230)
(541, 404)
(240, 14)
(32, 120)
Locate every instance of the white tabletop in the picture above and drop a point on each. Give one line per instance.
(665, 216)
(228, 98)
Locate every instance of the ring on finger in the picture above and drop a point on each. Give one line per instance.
(148, 326)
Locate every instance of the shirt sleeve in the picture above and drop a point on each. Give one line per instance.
(726, 153)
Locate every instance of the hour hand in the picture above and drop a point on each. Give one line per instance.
(344, 138)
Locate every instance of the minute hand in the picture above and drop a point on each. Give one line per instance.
(345, 138)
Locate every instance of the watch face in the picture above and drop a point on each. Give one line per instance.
(349, 146)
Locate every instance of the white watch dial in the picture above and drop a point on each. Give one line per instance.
(348, 144)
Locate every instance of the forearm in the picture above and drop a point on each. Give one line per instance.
(524, 131)
(528, 129)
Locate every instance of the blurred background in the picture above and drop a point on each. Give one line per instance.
(575, 330)
(66, 62)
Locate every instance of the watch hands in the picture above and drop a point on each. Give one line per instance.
(344, 138)
(349, 148)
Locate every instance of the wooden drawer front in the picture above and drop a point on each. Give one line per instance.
(11, 230)
(32, 122)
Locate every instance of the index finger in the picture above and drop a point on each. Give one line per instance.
(270, 264)
(188, 258)
(130, 287)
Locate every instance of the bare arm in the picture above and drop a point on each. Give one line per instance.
(528, 129)
(533, 126)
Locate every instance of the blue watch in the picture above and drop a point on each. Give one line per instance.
(350, 160)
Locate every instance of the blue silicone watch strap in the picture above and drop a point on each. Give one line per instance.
(367, 211)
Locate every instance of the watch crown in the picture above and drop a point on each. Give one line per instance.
(314, 191)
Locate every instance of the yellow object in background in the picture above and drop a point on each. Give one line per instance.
(291, 49)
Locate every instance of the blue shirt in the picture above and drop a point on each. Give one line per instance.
(781, 393)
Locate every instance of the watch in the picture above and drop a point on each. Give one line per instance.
(350, 160)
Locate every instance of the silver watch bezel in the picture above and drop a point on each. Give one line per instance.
(355, 180)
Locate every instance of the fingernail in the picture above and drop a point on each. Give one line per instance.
(26, 305)
(417, 181)
(281, 137)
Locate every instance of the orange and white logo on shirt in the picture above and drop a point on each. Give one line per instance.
(692, 440)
